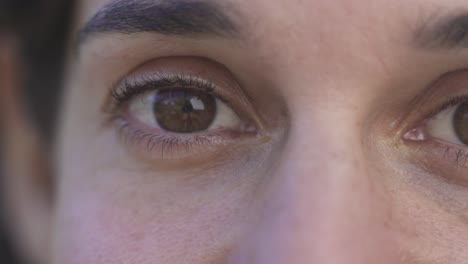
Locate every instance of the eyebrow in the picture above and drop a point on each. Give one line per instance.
(187, 18)
(447, 33)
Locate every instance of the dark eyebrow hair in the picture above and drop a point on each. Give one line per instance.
(449, 32)
(168, 17)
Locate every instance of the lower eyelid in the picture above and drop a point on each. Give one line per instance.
(170, 146)
(449, 161)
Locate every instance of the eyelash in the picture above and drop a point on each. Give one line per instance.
(451, 102)
(169, 144)
(153, 83)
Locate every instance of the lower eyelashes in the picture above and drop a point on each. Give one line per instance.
(449, 162)
(165, 146)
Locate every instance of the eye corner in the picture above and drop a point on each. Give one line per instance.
(416, 134)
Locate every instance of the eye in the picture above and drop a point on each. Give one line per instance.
(450, 125)
(181, 110)
(437, 141)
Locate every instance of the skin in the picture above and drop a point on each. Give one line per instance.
(328, 179)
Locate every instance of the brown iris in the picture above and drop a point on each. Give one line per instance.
(184, 111)
(460, 123)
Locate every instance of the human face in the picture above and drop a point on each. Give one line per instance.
(264, 131)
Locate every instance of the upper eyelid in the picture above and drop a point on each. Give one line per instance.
(149, 83)
(446, 90)
(451, 102)
(125, 89)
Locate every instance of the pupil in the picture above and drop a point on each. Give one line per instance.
(460, 123)
(184, 111)
(187, 107)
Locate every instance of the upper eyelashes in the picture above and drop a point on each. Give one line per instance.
(158, 81)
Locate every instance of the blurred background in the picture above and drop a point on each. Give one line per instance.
(33, 37)
(8, 25)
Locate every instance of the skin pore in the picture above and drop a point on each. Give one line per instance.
(332, 143)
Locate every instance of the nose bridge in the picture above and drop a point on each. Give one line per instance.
(321, 205)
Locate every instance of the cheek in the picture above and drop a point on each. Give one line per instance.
(427, 233)
(427, 216)
(108, 226)
(111, 213)
(113, 208)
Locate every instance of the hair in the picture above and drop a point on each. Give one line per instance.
(41, 27)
